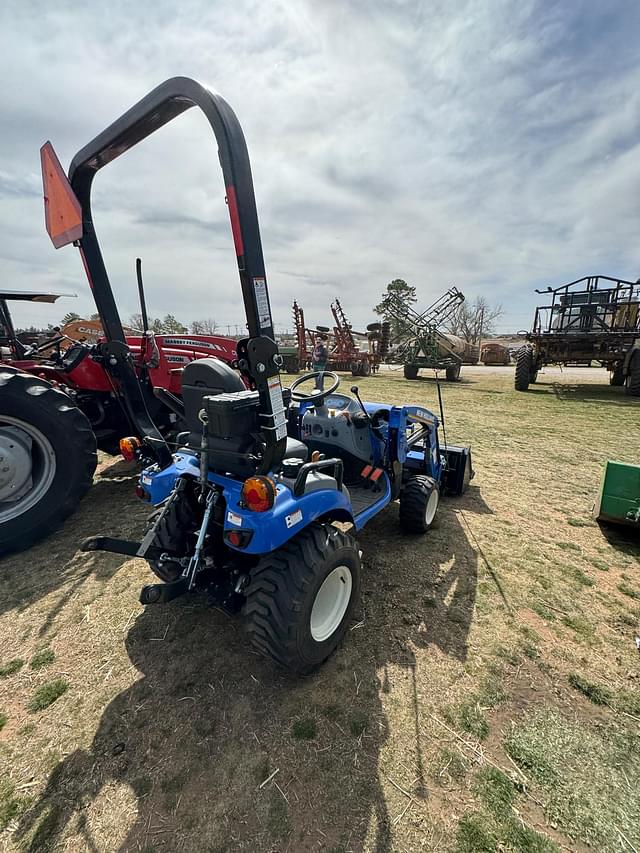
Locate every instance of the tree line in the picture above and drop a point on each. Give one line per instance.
(167, 325)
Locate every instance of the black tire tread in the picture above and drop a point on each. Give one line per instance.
(277, 590)
(410, 371)
(413, 500)
(171, 536)
(523, 369)
(633, 376)
(617, 375)
(453, 373)
(84, 456)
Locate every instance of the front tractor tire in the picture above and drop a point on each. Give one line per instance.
(48, 452)
(301, 597)
(525, 373)
(419, 502)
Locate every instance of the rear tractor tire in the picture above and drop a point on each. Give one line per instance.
(525, 373)
(410, 371)
(419, 501)
(453, 373)
(632, 382)
(173, 536)
(301, 597)
(48, 453)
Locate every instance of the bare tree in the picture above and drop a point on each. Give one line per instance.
(135, 322)
(204, 327)
(475, 320)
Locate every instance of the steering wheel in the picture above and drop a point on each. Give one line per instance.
(319, 396)
(74, 355)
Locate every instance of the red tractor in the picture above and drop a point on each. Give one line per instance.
(62, 399)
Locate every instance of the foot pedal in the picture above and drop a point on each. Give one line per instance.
(371, 475)
(159, 593)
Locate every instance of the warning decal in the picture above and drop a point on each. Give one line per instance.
(262, 302)
(277, 406)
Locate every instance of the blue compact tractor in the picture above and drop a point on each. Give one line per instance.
(262, 503)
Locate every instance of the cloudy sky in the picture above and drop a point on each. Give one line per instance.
(490, 144)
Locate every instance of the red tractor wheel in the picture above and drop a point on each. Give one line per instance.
(48, 452)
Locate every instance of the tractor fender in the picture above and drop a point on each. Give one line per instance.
(289, 515)
(269, 530)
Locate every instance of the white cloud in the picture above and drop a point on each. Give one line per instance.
(487, 145)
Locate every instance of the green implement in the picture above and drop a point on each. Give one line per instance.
(618, 501)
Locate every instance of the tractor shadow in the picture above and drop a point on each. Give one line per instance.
(587, 393)
(430, 379)
(420, 591)
(55, 563)
(188, 745)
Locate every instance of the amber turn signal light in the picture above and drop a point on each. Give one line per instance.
(129, 447)
(258, 494)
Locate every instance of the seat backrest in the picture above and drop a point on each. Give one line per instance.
(205, 377)
(211, 385)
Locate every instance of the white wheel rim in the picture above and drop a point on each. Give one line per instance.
(432, 506)
(331, 603)
(27, 467)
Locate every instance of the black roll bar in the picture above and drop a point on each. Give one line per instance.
(257, 354)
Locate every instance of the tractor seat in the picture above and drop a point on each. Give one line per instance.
(296, 449)
(233, 417)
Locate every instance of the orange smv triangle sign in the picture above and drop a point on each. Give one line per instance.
(62, 211)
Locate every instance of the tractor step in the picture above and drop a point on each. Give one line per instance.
(159, 593)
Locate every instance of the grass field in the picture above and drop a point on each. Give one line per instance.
(487, 697)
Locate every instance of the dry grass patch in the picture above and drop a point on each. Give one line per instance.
(584, 775)
(174, 723)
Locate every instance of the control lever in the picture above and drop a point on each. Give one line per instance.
(355, 391)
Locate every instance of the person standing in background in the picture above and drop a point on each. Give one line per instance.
(320, 359)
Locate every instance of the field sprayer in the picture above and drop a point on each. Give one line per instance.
(63, 398)
(419, 343)
(596, 318)
(247, 509)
